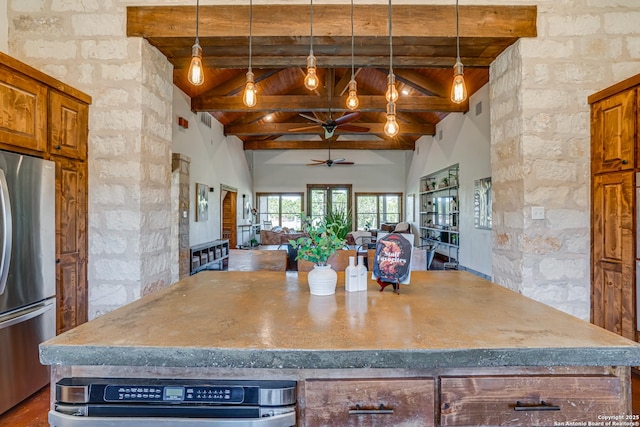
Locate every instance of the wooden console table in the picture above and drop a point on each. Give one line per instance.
(208, 255)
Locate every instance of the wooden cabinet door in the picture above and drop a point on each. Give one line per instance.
(405, 402)
(613, 133)
(71, 242)
(68, 122)
(613, 261)
(530, 400)
(23, 112)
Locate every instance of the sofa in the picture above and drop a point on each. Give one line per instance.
(277, 236)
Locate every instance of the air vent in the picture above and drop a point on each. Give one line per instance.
(478, 108)
(205, 118)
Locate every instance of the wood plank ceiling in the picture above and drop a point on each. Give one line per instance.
(424, 51)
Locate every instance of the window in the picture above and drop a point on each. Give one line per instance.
(373, 209)
(328, 198)
(282, 209)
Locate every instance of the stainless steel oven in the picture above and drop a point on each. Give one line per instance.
(110, 402)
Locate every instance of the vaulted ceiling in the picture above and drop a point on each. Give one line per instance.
(424, 51)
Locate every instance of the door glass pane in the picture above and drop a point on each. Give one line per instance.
(339, 199)
(291, 210)
(367, 213)
(273, 210)
(318, 204)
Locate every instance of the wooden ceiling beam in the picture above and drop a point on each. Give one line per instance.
(306, 103)
(333, 61)
(336, 145)
(256, 129)
(332, 20)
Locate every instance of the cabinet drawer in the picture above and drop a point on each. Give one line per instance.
(23, 111)
(492, 400)
(374, 402)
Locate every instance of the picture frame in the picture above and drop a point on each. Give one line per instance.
(482, 203)
(202, 202)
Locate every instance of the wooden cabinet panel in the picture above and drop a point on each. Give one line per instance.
(613, 133)
(23, 111)
(407, 402)
(613, 263)
(484, 401)
(68, 120)
(71, 242)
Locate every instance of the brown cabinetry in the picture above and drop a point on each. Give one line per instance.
(68, 119)
(375, 402)
(23, 112)
(44, 117)
(529, 400)
(614, 141)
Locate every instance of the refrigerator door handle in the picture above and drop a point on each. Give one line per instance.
(27, 313)
(7, 231)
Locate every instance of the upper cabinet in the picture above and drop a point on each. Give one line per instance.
(68, 120)
(613, 130)
(23, 112)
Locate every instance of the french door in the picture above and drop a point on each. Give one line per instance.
(324, 198)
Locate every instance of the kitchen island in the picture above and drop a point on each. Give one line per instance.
(450, 349)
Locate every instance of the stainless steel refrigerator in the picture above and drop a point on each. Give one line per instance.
(27, 273)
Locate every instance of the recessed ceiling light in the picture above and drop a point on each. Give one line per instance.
(405, 91)
(268, 117)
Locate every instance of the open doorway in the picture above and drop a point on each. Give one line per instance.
(228, 207)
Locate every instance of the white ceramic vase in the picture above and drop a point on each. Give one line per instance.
(322, 280)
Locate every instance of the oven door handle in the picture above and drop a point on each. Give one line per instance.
(58, 419)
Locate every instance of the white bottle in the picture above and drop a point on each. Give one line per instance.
(351, 276)
(362, 274)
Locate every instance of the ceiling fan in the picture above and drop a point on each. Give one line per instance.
(329, 162)
(330, 124)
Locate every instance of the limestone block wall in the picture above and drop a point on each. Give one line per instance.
(540, 143)
(84, 43)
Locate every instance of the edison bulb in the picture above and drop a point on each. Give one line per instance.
(311, 81)
(391, 127)
(458, 89)
(196, 72)
(352, 99)
(250, 91)
(392, 92)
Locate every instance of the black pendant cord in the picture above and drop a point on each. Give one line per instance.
(391, 41)
(197, 20)
(250, 31)
(352, 45)
(311, 27)
(457, 35)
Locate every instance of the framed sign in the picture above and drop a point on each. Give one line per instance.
(202, 202)
(482, 203)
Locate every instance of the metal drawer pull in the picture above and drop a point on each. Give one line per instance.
(542, 406)
(381, 410)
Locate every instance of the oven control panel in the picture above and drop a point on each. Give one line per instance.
(174, 393)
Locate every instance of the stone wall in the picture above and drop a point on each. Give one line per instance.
(540, 143)
(84, 44)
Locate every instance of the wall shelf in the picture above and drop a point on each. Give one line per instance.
(439, 212)
(210, 256)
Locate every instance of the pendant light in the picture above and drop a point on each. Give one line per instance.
(391, 127)
(250, 91)
(196, 72)
(458, 89)
(352, 99)
(311, 81)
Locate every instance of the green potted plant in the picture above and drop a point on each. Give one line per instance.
(317, 246)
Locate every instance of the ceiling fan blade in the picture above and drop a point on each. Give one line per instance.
(353, 128)
(339, 160)
(319, 161)
(316, 164)
(313, 119)
(312, 127)
(347, 118)
(343, 163)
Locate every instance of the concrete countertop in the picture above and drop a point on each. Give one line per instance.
(269, 320)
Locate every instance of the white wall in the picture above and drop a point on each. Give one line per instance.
(466, 141)
(286, 170)
(4, 27)
(215, 160)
